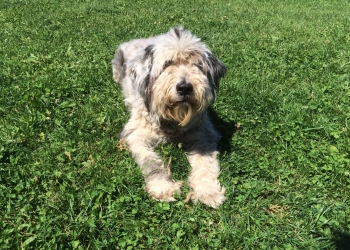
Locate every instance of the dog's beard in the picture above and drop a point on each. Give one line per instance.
(181, 113)
(182, 110)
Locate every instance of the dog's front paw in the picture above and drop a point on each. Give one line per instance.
(163, 189)
(209, 193)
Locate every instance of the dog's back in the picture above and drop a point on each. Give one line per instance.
(125, 53)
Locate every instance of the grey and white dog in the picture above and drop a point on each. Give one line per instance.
(168, 82)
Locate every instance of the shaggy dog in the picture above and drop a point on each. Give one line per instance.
(168, 82)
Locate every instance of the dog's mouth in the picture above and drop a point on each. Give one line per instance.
(184, 99)
(181, 101)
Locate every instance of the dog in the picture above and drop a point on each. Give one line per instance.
(168, 82)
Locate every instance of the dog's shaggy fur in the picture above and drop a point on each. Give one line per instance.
(168, 82)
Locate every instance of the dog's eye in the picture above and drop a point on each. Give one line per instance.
(167, 64)
(200, 66)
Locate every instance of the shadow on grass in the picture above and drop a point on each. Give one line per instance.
(5, 158)
(226, 130)
(341, 240)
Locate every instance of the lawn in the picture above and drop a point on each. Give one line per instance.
(283, 111)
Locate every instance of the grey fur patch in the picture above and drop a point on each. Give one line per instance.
(147, 92)
(148, 53)
(177, 32)
(146, 88)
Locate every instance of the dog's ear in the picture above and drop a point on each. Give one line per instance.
(140, 69)
(118, 65)
(215, 68)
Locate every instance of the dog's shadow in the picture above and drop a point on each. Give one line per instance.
(226, 130)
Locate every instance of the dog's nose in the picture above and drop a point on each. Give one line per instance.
(184, 88)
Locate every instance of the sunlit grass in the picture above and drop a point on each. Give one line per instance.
(283, 111)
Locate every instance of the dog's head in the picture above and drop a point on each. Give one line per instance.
(182, 76)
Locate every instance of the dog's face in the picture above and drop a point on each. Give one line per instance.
(182, 76)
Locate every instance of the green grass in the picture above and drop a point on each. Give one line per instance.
(64, 184)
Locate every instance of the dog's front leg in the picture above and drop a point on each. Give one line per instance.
(159, 183)
(202, 155)
(204, 181)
